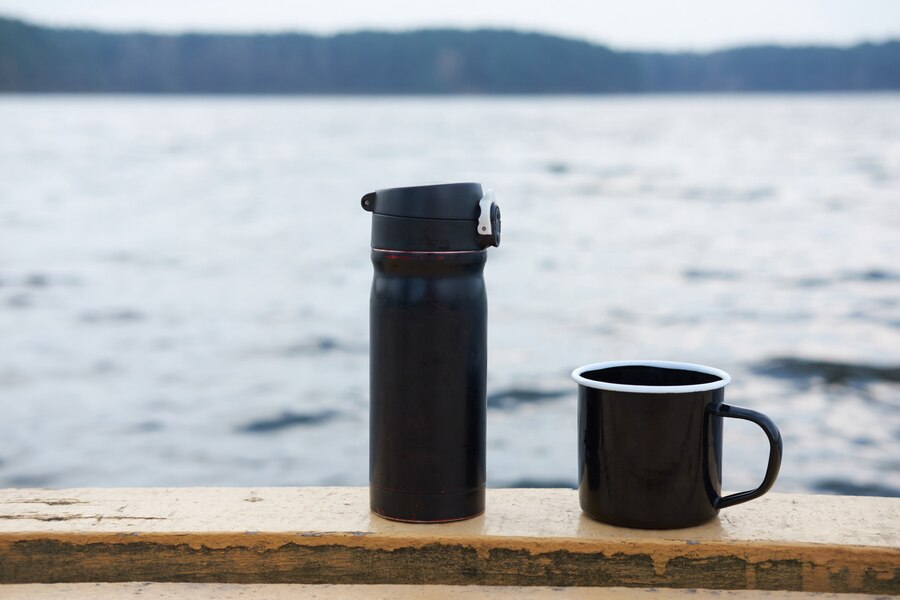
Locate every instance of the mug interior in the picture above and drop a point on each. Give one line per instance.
(647, 375)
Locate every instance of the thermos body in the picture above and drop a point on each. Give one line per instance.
(428, 370)
(428, 350)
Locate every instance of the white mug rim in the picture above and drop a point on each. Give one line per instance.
(724, 378)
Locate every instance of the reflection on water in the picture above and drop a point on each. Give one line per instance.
(808, 372)
(287, 419)
(184, 281)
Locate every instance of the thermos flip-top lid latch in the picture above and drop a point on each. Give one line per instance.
(484, 216)
(489, 219)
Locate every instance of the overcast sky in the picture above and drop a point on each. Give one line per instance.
(647, 24)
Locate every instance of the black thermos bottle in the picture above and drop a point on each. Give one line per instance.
(428, 350)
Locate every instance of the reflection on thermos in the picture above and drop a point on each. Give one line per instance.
(428, 350)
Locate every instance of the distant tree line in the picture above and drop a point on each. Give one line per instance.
(435, 61)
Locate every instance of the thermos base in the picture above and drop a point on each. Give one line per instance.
(426, 508)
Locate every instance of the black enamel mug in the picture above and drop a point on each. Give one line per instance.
(650, 443)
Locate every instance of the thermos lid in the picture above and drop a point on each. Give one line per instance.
(434, 218)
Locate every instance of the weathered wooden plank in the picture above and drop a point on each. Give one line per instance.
(229, 591)
(526, 537)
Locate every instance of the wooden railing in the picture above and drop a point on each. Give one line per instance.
(781, 542)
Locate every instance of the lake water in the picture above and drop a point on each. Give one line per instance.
(184, 282)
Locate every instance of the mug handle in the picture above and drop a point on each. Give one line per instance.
(775, 450)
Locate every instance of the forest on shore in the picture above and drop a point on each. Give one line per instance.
(34, 58)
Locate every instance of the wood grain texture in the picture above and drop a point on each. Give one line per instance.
(526, 537)
(232, 591)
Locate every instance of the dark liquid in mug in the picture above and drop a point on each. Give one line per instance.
(655, 376)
